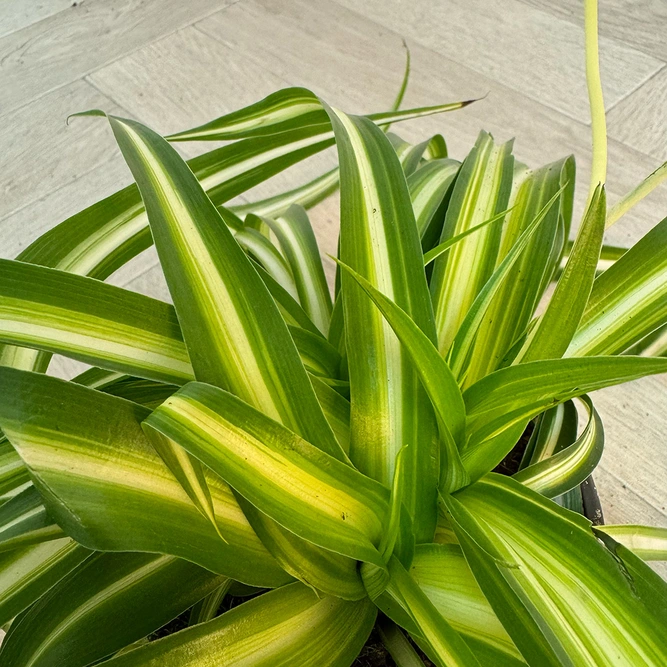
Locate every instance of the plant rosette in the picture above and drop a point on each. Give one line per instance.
(289, 470)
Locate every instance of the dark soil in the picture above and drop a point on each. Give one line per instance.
(510, 464)
(374, 654)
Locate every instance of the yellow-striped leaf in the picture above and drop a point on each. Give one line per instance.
(564, 598)
(288, 626)
(103, 483)
(379, 240)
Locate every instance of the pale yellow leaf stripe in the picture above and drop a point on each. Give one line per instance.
(234, 343)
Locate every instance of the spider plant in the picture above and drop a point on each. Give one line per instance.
(329, 456)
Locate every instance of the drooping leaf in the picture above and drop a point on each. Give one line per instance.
(289, 109)
(563, 597)
(288, 626)
(504, 401)
(104, 604)
(103, 237)
(104, 484)
(27, 573)
(321, 499)
(569, 467)
(88, 320)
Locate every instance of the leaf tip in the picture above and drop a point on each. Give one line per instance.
(90, 112)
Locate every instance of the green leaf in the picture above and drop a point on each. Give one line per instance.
(446, 645)
(653, 345)
(505, 400)
(289, 307)
(443, 247)
(400, 649)
(289, 109)
(379, 240)
(569, 467)
(234, 332)
(647, 542)
(443, 574)
(103, 237)
(268, 256)
(88, 320)
(621, 207)
(552, 582)
(466, 336)
(27, 573)
(336, 409)
(517, 298)
(309, 492)
(317, 354)
(398, 100)
(306, 195)
(106, 603)
(551, 336)
(319, 569)
(13, 474)
(628, 301)
(102, 481)
(555, 429)
(148, 393)
(436, 378)
(145, 392)
(481, 191)
(24, 521)
(187, 471)
(288, 626)
(411, 155)
(430, 188)
(608, 255)
(298, 243)
(207, 608)
(190, 475)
